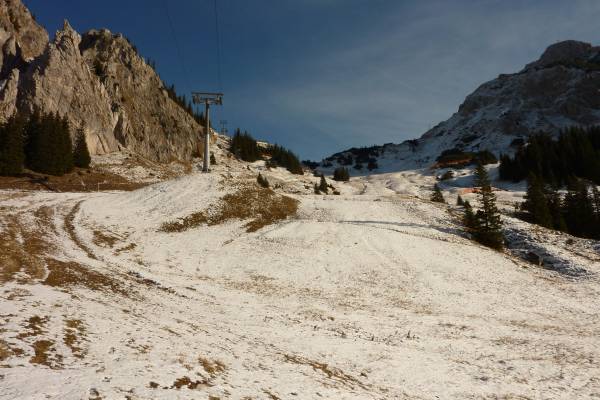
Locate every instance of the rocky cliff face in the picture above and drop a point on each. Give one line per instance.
(98, 81)
(17, 21)
(60, 81)
(147, 120)
(559, 90)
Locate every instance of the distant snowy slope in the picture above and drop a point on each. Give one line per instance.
(560, 89)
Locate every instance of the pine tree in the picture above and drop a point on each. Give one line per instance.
(81, 154)
(488, 229)
(323, 188)
(536, 203)
(579, 210)
(469, 217)
(285, 158)
(555, 206)
(262, 181)
(49, 148)
(459, 201)
(596, 200)
(341, 174)
(34, 141)
(244, 146)
(12, 156)
(437, 195)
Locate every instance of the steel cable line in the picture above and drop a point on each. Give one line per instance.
(218, 38)
(179, 52)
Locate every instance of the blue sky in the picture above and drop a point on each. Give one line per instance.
(319, 76)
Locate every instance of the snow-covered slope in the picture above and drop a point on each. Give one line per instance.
(372, 294)
(559, 90)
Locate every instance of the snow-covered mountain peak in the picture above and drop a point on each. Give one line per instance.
(560, 89)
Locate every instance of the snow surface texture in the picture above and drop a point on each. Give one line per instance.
(373, 294)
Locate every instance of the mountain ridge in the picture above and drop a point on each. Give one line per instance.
(560, 89)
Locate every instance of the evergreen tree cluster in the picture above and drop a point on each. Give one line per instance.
(244, 146)
(42, 143)
(577, 212)
(576, 153)
(341, 174)
(484, 225)
(12, 155)
(285, 158)
(81, 153)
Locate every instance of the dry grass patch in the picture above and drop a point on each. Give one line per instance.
(6, 351)
(271, 395)
(69, 274)
(35, 326)
(129, 247)
(80, 180)
(19, 250)
(45, 354)
(183, 224)
(103, 239)
(186, 382)
(259, 205)
(213, 368)
(70, 228)
(74, 336)
(331, 372)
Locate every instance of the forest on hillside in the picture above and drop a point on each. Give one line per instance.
(41, 142)
(562, 177)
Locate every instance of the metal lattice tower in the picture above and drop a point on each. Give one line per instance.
(207, 99)
(223, 123)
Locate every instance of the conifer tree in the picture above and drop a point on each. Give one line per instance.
(488, 227)
(64, 153)
(34, 141)
(285, 158)
(12, 156)
(81, 154)
(555, 206)
(469, 217)
(244, 146)
(437, 195)
(536, 203)
(579, 210)
(459, 201)
(341, 174)
(262, 181)
(323, 185)
(49, 149)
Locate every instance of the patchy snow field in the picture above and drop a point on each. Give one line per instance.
(372, 294)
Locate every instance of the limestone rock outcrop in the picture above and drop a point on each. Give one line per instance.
(17, 21)
(148, 121)
(559, 90)
(98, 81)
